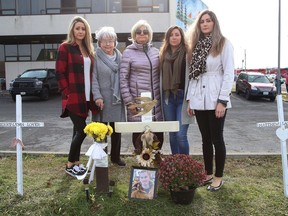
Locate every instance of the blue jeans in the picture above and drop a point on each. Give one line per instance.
(172, 112)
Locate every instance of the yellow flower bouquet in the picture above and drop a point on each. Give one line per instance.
(98, 131)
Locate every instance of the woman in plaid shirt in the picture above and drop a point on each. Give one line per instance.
(74, 66)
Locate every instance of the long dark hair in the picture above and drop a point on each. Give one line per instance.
(166, 45)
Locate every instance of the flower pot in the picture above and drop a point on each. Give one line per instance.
(183, 197)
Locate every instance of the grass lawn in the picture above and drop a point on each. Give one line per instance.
(253, 186)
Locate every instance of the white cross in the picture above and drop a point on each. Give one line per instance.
(19, 124)
(282, 134)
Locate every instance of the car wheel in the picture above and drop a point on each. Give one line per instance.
(272, 99)
(44, 94)
(247, 95)
(237, 90)
(13, 97)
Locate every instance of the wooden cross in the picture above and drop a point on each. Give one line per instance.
(282, 134)
(18, 140)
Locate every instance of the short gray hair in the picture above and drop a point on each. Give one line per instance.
(104, 32)
(137, 26)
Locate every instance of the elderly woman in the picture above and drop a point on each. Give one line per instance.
(139, 72)
(106, 88)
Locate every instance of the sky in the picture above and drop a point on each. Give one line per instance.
(252, 27)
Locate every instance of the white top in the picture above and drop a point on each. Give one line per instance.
(87, 64)
(214, 84)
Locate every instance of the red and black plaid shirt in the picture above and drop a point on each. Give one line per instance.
(70, 76)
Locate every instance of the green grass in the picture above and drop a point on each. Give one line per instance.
(253, 186)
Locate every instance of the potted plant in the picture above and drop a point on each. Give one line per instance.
(181, 175)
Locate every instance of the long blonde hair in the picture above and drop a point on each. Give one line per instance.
(194, 34)
(87, 41)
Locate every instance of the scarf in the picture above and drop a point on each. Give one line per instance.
(199, 56)
(172, 68)
(114, 66)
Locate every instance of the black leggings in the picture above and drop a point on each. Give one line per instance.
(115, 144)
(211, 129)
(79, 123)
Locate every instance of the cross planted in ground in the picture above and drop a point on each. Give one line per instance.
(282, 134)
(18, 139)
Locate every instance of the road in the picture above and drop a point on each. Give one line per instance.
(242, 136)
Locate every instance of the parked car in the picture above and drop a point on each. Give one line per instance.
(2, 84)
(35, 82)
(255, 84)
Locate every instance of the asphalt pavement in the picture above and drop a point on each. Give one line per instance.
(242, 136)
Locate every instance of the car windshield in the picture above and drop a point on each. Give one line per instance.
(258, 79)
(34, 73)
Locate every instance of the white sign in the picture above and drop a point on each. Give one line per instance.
(21, 124)
(271, 124)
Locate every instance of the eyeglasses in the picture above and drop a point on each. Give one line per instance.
(139, 31)
(107, 42)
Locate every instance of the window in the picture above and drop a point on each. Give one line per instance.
(1, 52)
(68, 6)
(115, 6)
(83, 6)
(8, 7)
(24, 7)
(38, 7)
(133, 6)
(36, 49)
(10, 52)
(53, 6)
(98, 6)
(24, 52)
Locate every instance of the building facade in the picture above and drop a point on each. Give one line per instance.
(31, 30)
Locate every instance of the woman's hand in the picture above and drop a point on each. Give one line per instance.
(190, 112)
(100, 103)
(220, 110)
(133, 109)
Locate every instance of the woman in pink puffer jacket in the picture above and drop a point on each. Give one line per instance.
(139, 72)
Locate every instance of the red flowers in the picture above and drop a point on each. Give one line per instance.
(181, 172)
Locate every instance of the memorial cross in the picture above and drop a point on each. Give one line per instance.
(18, 141)
(282, 134)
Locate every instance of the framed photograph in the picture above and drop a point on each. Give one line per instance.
(143, 183)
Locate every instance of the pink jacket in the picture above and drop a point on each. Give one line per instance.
(139, 72)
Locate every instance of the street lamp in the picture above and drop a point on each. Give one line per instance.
(245, 59)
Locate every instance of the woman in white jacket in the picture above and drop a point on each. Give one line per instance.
(211, 65)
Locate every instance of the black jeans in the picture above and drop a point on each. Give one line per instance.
(79, 123)
(211, 129)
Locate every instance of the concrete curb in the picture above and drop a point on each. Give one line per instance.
(244, 154)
